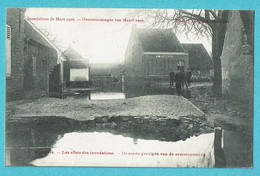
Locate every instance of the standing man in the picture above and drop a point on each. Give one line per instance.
(178, 80)
(188, 76)
(171, 79)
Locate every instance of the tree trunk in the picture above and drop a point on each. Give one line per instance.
(217, 84)
(218, 38)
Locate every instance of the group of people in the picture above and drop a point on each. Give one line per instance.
(181, 80)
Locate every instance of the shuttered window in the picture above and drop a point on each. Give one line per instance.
(8, 51)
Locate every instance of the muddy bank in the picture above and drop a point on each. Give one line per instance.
(149, 127)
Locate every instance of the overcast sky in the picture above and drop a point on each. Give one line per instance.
(100, 41)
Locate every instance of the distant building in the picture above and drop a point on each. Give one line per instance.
(106, 76)
(76, 70)
(29, 58)
(152, 54)
(200, 62)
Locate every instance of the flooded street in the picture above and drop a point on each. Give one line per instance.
(50, 145)
(125, 140)
(107, 95)
(105, 149)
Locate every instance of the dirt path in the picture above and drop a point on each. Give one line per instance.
(169, 106)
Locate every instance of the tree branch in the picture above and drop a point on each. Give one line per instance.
(197, 17)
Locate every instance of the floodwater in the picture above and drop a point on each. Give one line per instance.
(105, 149)
(107, 95)
(129, 92)
(48, 145)
(51, 143)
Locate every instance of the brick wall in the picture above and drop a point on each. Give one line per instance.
(14, 83)
(34, 84)
(22, 83)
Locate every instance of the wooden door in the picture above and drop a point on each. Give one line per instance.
(44, 78)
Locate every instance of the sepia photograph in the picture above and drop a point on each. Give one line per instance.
(111, 87)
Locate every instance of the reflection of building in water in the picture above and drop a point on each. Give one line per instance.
(238, 148)
(135, 140)
(31, 140)
(22, 147)
(220, 160)
(201, 154)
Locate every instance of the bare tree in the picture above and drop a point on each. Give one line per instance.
(210, 23)
(51, 37)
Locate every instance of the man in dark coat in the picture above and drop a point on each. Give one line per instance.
(178, 81)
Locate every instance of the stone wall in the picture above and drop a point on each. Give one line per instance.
(237, 67)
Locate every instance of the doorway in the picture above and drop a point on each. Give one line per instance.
(44, 74)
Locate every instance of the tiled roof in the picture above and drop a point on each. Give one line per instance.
(75, 59)
(158, 40)
(198, 56)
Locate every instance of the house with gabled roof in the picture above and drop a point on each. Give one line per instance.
(30, 58)
(152, 54)
(200, 62)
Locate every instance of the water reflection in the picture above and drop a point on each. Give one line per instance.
(238, 148)
(25, 145)
(41, 144)
(136, 91)
(107, 95)
(128, 92)
(105, 149)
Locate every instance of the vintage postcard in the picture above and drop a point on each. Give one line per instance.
(129, 87)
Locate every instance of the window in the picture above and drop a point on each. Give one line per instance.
(34, 65)
(180, 63)
(171, 65)
(79, 74)
(44, 66)
(166, 67)
(8, 51)
(152, 68)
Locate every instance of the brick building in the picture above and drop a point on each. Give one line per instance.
(106, 76)
(14, 52)
(152, 54)
(29, 58)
